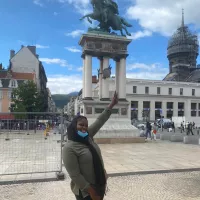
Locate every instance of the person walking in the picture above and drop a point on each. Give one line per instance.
(154, 131)
(182, 127)
(190, 129)
(82, 157)
(173, 126)
(148, 130)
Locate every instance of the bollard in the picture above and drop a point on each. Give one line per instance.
(7, 134)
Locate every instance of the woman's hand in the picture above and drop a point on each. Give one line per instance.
(114, 100)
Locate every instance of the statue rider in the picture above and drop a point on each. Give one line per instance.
(109, 5)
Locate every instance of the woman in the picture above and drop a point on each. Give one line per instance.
(82, 157)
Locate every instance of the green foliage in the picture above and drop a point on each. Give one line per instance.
(26, 98)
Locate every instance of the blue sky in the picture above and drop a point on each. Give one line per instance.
(54, 26)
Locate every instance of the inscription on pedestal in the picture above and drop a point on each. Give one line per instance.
(89, 110)
(123, 111)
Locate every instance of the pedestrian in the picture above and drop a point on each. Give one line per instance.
(193, 125)
(154, 131)
(182, 127)
(190, 129)
(173, 126)
(82, 156)
(148, 130)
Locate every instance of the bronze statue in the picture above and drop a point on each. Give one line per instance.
(107, 14)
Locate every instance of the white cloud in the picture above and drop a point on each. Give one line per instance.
(73, 49)
(153, 71)
(41, 46)
(75, 33)
(57, 61)
(80, 69)
(164, 16)
(38, 3)
(63, 84)
(55, 13)
(82, 6)
(140, 34)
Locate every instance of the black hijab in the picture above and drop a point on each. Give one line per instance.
(100, 185)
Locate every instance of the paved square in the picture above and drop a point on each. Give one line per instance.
(24, 153)
(175, 186)
(32, 154)
(151, 156)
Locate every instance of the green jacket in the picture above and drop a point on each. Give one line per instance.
(78, 159)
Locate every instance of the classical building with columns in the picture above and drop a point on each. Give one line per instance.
(158, 98)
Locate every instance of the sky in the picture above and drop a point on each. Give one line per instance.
(54, 27)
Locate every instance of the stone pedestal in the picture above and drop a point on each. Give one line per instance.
(119, 124)
(106, 47)
(177, 137)
(166, 136)
(191, 139)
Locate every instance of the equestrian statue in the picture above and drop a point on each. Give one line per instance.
(106, 12)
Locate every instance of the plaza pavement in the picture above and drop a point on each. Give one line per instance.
(174, 186)
(26, 155)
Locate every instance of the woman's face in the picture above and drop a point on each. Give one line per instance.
(82, 125)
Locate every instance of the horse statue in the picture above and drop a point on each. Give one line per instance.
(107, 14)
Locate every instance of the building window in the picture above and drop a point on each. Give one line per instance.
(170, 91)
(158, 110)
(134, 110)
(193, 92)
(134, 89)
(158, 105)
(193, 106)
(181, 91)
(170, 105)
(146, 90)
(193, 109)
(13, 83)
(158, 90)
(180, 106)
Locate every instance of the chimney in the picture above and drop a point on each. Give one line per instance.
(32, 49)
(22, 46)
(12, 54)
(94, 79)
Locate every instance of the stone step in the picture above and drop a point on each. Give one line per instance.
(177, 137)
(191, 139)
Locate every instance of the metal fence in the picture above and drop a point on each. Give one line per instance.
(31, 143)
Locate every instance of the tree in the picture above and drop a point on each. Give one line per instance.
(26, 98)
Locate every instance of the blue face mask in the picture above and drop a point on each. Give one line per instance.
(83, 135)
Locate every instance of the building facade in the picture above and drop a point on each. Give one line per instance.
(26, 60)
(8, 81)
(152, 99)
(51, 103)
(182, 53)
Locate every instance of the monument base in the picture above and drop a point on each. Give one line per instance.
(117, 126)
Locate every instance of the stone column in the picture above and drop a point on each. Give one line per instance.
(140, 109)
(152, 110)
(83, 90)
(175, 109)
(105, 83)
(122, 79)
(88, 77)
(117, 76)
(100, 77)
(164, 109)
